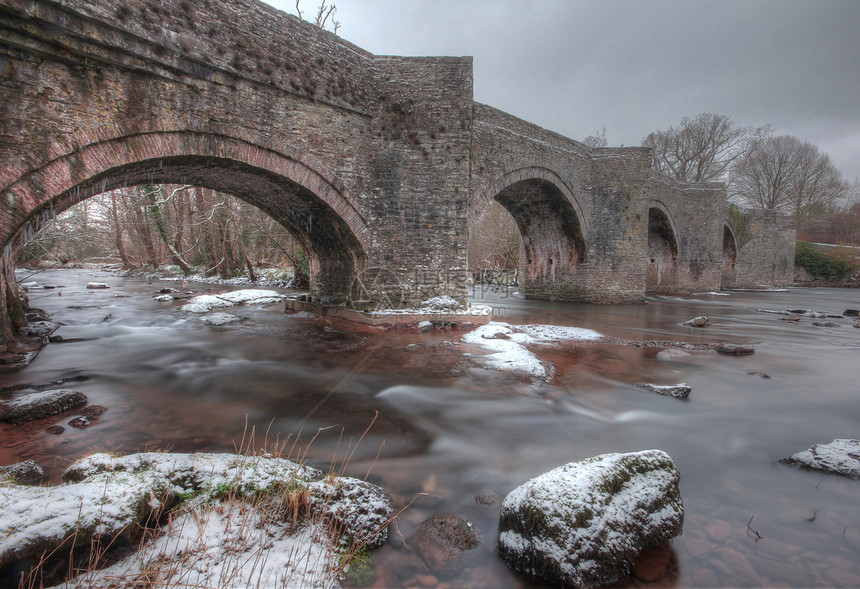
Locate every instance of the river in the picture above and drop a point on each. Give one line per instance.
(440, 429)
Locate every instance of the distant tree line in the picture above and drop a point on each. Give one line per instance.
(762, 171)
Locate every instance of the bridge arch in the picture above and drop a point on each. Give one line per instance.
(307, 202)
(730, 256)
(661, 273)
(550, 222)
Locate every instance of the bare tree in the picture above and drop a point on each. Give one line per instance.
(702, 149)
(596, 140)
(788, 175)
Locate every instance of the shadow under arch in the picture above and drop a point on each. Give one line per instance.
(550, 222)
(661, 275)
(311, 207)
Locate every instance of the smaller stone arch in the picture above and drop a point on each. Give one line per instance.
(551, 226)
(730, 257)
(661, 274)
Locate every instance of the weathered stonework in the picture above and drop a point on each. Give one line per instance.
(765, 252)
(377, 164)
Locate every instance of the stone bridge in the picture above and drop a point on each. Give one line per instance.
(376, 164)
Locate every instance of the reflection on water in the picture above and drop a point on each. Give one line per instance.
(447, 429)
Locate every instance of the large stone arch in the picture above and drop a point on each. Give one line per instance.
(305, 200)
(551, 226)
(661, 275)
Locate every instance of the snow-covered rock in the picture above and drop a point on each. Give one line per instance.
(39, 405)
(97, 285)
(679, 391)
(205, 303)
(507, 345)
(841, 456)
(584, 523)
(440, 303)
(105, 496)
(220, 319)
(25, 472)
(165, 298)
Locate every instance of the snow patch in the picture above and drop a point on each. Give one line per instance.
(205, 303)
(507, 345)
(217, 319)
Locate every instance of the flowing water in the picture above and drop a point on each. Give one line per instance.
(446, 429)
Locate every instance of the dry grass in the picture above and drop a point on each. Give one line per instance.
(285, 536)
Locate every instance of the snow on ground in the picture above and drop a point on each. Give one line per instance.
(205, 303)
(229, 546)
(106, 495)
(507, 345)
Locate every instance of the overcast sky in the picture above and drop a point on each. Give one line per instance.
(636, 66)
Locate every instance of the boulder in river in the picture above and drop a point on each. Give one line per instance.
(40, 405)
(679, 391)
(700, 321)
(841, 456)
(851, 312)
(584, 523)
(97, 285)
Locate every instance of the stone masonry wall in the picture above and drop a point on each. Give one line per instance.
(697, 213)
(766, 256)
(598, 194)
(363, 158)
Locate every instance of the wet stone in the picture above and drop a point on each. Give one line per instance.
(40, 405)
(55, 430)
(488, 498)
(735, 349)
(851, 312)
(679, 391)
(447, 543)
(93, 410)
(700, 321)
(81, 422)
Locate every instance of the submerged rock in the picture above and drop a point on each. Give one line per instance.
(841, 456)
(40, 405)
(584, 523)
(700, 321)
(735, 349)
(672, 354)
(679, 391)
(447, 543)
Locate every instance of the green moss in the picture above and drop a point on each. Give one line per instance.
(358, 568)
(820, 264)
